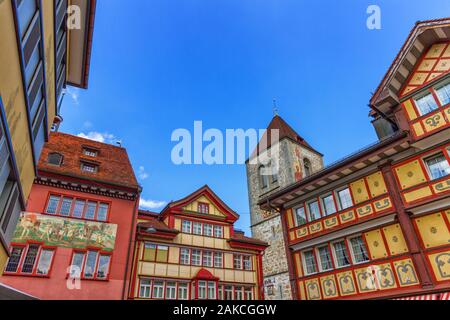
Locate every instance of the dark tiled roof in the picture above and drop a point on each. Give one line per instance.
(240, 236)
(157, 225)
(285, 131)
(114, 166)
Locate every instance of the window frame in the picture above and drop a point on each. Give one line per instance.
(25, 248)
(421, 96)
(297, 224)
(352, 252)
(338, 198)
(304, 262)
(427, 158)
(324, 208)
(319, 258)
(85, 253)
(203, 208)
(335, 255)
(309, 210)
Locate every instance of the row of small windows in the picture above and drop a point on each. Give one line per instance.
(37, 260)
(335, 255)
(202, 229)
(433, 99)
(77, 208)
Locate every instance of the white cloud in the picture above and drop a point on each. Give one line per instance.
(142, 174)
(74, 94)
(99, 137)
(151, 204)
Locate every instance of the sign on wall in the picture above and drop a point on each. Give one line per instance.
(64, 232)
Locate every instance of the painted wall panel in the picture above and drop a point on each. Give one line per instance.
(410, 174)
(376, 183)
(395, 239)
(433, 230)
(440, 262)
(359, 191)
(376, 244)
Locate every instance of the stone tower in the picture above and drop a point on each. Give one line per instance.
(296, 160)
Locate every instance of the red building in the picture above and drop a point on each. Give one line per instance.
(75, 239)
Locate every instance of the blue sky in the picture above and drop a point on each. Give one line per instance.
(160, 65)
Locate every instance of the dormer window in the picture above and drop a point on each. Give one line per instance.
(90, 152)
(203, 208)
(89, 167)
(55, 159)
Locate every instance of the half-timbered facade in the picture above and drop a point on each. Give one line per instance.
(376, 225)
(191, 251)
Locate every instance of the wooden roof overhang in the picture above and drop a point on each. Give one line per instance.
(367, 157)
(420, 39)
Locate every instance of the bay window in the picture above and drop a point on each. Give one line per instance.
(202, 290)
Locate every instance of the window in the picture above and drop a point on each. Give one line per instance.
(444, 94)
(66, 206)
(300, 216)
(185, 257)
(207, 259)
(196, 258)
(90, 168)
(158, 290)
(218, 231)
(345, 199)
(53, 204)
(229, 293)
(247, 262)
(264, 179)
(314, 211)
(145, 289)
(203, 208)
(218, 260)
(182, 291)
(93, 264)
(90, 211)
(248, 293)
(329, 206)
(90, 152)
(438, 167)
(426, 104)
(310, 262)
(237, 262)
(171, 290)
(186, 227)
(307, 167)
(342, 258)
(208, 230)
(32, 260)
(55, 159)
(211, 290)
(325, 259)
(162, 254)
(78, 210)
(197, 228)
(359, 250)
(238, 293)
(202, 290)
(26, 12)
(102, 213)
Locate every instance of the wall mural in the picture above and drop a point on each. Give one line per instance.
(64, 232)
(298, 164)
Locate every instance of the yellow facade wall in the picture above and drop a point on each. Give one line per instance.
(213, 210)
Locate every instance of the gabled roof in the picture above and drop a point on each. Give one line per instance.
(285, 131)
(203, 191)
(239, 236)
(421, 37)
(114, 167)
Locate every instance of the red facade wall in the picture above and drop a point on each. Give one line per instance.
(122, 212)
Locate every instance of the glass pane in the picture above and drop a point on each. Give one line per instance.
(26, 12)
(53, 204)
(444, 94)
(102, 212)
(171, 290)
(196, 257)
(158, 290)
(32, 65)
(300, 216)
(182, 291)
(208, 230)
(197, 228)
(149, 252)
(314, 211)
(91, 261)
(345, 199)
(90, 211)
(14, 260)
(144, 291)
(438, 167)
(30, 259)
(325, 259)
(45, 261)
(186, 227)
(185, 257)
(341, 254)
(328, 205)
(77, 265)
(78, 209)
(66, 206)
(426, 104)
(359, 250)
(310, 262)
(162, 254)
(103, 266)
(218, 231)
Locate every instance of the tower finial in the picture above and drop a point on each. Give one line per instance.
(275, 107)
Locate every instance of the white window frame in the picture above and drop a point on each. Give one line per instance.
(319, 258)
(338, 198)
(297, 224)
(185, 222)
(182, 256)
(305, 268)
(427, 158)
(322, 203)
(335, 256)
(149, 286)
(201, 228)
(309, 210)
(352, 253)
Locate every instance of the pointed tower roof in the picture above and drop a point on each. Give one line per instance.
(285, 131)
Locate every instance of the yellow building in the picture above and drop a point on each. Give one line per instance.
(191, 251)
(376, 225)
(44, 46)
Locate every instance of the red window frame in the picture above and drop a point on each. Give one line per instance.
(72, 208)
(25, 248)
(204, 206)
(99, 254)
